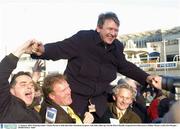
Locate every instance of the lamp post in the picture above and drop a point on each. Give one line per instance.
(179, 48)
(164, 44)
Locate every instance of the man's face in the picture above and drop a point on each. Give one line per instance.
(109, 31)
(24, 89)
(61, 94)
(123, 99)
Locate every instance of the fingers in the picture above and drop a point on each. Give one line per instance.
(37, 47)
(88, 118)
(38, 66)
(155, 81)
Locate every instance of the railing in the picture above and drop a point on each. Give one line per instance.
(159, 66)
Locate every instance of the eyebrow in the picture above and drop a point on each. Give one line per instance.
(25, 82)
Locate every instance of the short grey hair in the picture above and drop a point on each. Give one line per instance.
(124, 86)
(106, 16)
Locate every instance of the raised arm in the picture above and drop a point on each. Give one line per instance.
(7, 65)
(37, 70)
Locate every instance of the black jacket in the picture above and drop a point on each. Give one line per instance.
(92, 65)
(13, 109)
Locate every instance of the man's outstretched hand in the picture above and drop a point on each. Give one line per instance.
(155, 81)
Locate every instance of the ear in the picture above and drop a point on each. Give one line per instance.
(114, 98)
(98, 29)
(12, 91)
(131, 102)
(51, 96)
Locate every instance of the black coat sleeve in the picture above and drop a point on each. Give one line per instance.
(65, 49)
(129, 69)
(7, 65)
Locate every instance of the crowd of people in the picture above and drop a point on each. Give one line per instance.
(81, 94)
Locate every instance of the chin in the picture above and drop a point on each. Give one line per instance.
(28, 104)
(109, 42)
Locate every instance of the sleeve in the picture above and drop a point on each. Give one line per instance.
(7, 65)
(65, 49)
(129, 69)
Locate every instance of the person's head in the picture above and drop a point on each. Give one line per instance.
(56, 88)
(108, 27)
(163, 106)
(22, 86)
(130, 82)
(172, 116)
(123, 95)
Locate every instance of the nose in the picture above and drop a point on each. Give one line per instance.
(29, 86)
(114, 33)
(69, 91)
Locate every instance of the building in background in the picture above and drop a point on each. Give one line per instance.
(153, 41)
(156, 51)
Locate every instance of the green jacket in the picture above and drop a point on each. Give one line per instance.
(128, 117)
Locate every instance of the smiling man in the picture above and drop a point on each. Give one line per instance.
(18, 95)
(123, 96)
(57, 99)
(94, 59)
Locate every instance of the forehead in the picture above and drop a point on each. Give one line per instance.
(23, 78)
(60, 85)
(110, 22)
(124, 91)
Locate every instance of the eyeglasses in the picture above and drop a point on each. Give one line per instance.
(124, 98)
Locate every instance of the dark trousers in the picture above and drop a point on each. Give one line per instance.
(104, 119)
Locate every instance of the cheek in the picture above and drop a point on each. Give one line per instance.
(12, 91)
(130, 101)
(118, 102)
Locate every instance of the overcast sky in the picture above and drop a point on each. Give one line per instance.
(53, 20)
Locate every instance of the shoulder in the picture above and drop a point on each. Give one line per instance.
(84, 35)
(88, 36)
(86, 32)
(134, 115)
(118, 43)
(131, 112)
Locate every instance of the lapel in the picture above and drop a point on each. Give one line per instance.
(62, 116)
(125, 117)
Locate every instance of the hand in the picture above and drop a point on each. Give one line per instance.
(37, 47)
(24, 48)
(37, 70)
(88, 118)
(155, 81)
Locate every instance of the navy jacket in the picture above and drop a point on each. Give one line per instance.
(92, 65)
(13, 109)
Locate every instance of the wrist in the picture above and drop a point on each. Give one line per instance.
(18, 53)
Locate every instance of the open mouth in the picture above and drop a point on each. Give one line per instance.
(28, 95)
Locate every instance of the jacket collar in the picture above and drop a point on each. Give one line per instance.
(21, 102)
(98, 40)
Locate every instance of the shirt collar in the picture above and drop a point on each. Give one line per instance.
(118, 110)
(64, 108)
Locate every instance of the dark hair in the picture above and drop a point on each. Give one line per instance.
(105, 16)
(13, 80)
(164, 106)
(49, 81)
